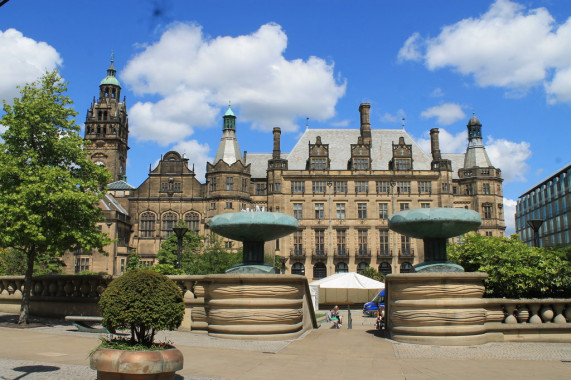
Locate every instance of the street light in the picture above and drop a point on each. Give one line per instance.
(329, 184)
(179, 231)
(535, 224)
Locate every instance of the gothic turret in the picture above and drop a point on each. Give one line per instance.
(228, 149)
(107, 127)
(476, 155)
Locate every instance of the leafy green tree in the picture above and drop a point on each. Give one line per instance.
(49, 188)
(197, 257)
(373, 273)
(13, 262)
(515, 269)
(133, 261)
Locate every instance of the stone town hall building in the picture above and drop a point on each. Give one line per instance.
(341, 184)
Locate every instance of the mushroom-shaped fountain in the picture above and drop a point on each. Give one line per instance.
(434, 226)
(253, 229)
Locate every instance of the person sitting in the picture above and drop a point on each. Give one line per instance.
(336, 318)
(380, 318)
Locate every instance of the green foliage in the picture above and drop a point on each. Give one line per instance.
(166, 269)
(143, 301)
(372, 273)
(515, 269)
(49, 188)
(13, 262)
(197, 257)
(133, 261)
(121, 344)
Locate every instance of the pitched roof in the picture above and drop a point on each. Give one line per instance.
(120, 185)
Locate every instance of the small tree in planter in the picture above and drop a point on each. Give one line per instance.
(144, 302)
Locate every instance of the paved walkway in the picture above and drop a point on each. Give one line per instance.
(58, 351)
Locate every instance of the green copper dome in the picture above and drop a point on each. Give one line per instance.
(229, 112)
(110, 78)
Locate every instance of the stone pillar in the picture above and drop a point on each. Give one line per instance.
(364, 110)
(434, 144)
(277, 149)
(437, 308)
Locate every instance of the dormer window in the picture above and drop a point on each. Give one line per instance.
(318, 155)
(402, 156)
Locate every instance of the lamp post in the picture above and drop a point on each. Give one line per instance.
(535, 224)
(179, 231)
(329, 184)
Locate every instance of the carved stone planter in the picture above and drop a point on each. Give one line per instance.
(141, 365)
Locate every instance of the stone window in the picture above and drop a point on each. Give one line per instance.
(229, 183)
(340, 208)
(406, 267)
(319, 271)
(383, 187)
(362, 187)
(403, 187)
(425, 205)
(228, 205)
(383, 211)
(298, 187)
(361, 210)
(445, 187)
(213, 184)
(341, 242)
(318, 186)
(81, 264)
(384, 243)
(147, 225)
(260, 189)
(245, 185)
(405, 245)
(487, 209)
(320, 242)
(319, 211)
(341, 268)
(192, 220)
(385, 268)
(298, 210)
(298, 268)
(363, 240)
(169, 221)
(340, 187)
(298, 243)
(404, 206)
(360, 164)
(486, 189)
(403, 164)
(424, 187)
(318, 163)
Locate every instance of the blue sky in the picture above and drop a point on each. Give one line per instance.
(432, 63)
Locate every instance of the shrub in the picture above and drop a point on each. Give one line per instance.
(143, 301)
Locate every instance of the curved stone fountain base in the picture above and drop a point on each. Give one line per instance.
(437, 308)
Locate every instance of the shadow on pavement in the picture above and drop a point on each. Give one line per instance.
(28, 369)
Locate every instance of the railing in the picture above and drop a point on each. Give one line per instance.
(406, 253)
(382, 253)
(528, 311)
(339, 253)
(297, 252)
(319, 253)
(363, 253)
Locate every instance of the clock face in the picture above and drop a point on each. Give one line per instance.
(100, 163)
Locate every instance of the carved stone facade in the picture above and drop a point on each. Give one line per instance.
(341, 184)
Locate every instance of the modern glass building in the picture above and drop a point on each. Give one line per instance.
(548, 203)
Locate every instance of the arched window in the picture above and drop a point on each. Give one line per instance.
(361, 267)
(169, 221)
(192, 220)
(385, 268)
(147, 225)
(319, 271)
(298, 268)
(406, 267)
(341, 268)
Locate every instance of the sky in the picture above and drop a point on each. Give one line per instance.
(298, 63)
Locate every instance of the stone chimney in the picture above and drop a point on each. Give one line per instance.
(364, 109)
(434, 144)
(277, 149)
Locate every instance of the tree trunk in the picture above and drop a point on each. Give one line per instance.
(25, 306)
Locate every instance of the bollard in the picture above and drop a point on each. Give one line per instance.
(349, 319)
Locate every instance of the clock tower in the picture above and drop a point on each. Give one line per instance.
(107, 127)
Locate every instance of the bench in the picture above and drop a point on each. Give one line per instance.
(85, 323)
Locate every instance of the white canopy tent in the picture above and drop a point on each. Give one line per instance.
(344, 289)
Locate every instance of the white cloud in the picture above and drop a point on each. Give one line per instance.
(411, 49)
(510, 157)
(448, 142)
(196, 153)
(437, 93)
(509, 215)
(341, 123)
(393, 118)
(23, 61)
(195, 76)
(445, 114)
(508, 46)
